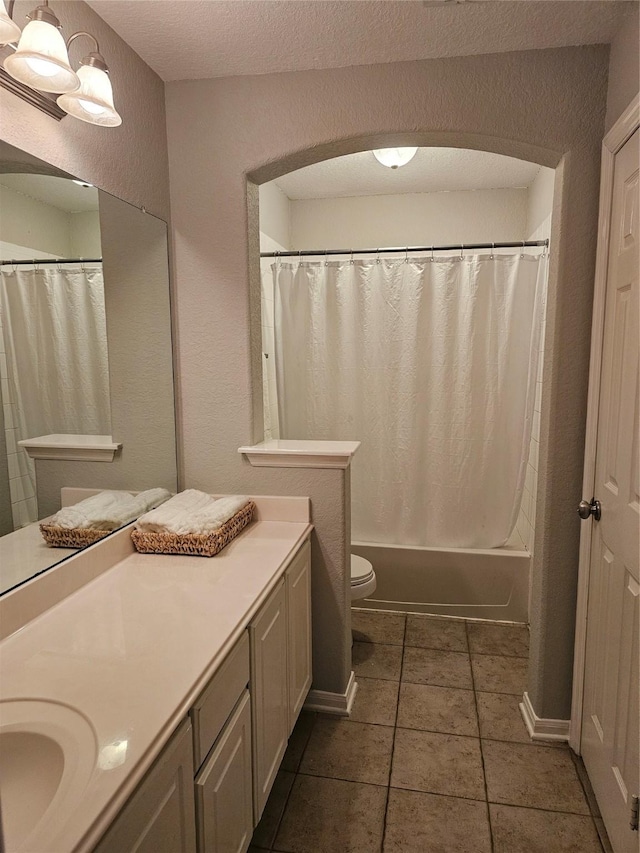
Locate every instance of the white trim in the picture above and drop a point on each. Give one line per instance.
(540, 728)
(80, 448)
(290, 453)
(626, 125)
(339, 704)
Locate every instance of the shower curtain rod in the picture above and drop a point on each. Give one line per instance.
(52, 261)
(460, 247)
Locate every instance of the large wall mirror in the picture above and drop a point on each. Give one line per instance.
(85, 349)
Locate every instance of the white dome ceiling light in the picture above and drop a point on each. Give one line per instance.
(394, 157)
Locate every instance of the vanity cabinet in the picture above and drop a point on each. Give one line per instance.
(233, 740)
(298, 588)
(224, 795)
(160, 816)
(280, 671)
(270, 694)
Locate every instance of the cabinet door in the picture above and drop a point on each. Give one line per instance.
(269, 695)
(298, 581)
(160, 815)
(224, 788)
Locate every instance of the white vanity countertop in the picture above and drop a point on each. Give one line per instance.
(132, 650)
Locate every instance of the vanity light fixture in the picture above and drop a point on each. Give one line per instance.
(41, 63)
(93, 101)
(394, 157)
(41, 59)
(9, 31)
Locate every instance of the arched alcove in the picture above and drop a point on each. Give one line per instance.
(227, 136)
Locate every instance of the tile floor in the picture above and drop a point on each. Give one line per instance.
(435, 757)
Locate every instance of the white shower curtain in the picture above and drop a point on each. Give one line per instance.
(54, 328)
(432, 366)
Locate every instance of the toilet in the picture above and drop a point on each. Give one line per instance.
(363, 578)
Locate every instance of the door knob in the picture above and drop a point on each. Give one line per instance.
(586, 508)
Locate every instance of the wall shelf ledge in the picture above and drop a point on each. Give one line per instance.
(281, 453)
(80, 448)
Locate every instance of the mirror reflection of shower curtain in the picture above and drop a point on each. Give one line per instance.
(55, 337)
(432, 366)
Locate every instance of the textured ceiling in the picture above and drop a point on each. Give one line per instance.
(192, 39)
(58, 192)
(431, 170)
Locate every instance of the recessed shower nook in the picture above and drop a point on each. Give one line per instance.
(403, 300)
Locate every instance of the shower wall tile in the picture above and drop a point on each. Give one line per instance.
(14, 467)
(9, 415)
(11, 438)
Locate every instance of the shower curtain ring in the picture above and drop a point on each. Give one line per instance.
(377, 256)
(432, 251)
(522, 254)
(462, 251)
(326, 262)
(406, 255)
(351, 258)
(493, 245)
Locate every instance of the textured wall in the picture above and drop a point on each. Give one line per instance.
(546, 106)
(624, 67)
(129, 161)
(411, 219)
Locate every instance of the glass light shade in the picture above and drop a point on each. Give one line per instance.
(394, 157)
(9, 30)
(93, 101)
(41, 60)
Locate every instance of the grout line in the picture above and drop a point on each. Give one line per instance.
(393, 741)
(484, 772)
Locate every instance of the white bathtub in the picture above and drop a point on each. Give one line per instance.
(473, 584)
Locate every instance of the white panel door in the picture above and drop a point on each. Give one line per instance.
(610, 711)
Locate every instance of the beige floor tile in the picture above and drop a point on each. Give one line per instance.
(376, 701)
(500, 717)
(486, 638)
(298, 741)
(431, 632)
(265, 832)
(583, 776)
(522, 774)
(371, 627)
(438, 764)
(332, 816)
(428, 823)
(432, 666)
(602, 834)
(357, 752)
(530, 831)
(437, 709)
(377, 660)
(499, 674)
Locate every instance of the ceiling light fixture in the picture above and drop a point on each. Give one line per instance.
(394, 157)
(41, 62)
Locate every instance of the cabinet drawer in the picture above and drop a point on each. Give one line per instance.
(224, 790)
(218, 699)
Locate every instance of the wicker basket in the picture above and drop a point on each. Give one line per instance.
(193, 544)
(70, 537)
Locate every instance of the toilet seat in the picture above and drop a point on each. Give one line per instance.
(363, 578)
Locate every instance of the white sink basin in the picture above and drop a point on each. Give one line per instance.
(47, 756)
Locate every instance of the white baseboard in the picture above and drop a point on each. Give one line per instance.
(540, 728)
(339, 704)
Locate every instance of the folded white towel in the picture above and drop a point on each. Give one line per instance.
(108, 510)
(191, 511)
